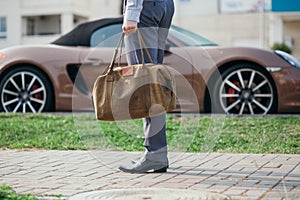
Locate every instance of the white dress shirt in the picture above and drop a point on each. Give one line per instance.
(133, 10)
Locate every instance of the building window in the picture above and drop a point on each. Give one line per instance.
(41, 25)
(30, 26)
(3, 28)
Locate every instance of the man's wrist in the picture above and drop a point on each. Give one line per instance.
(129, 27)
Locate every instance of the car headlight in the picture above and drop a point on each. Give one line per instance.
(287, 57)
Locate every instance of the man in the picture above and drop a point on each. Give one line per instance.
(153, 19)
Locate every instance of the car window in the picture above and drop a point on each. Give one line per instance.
(107, 36)
(188, 38)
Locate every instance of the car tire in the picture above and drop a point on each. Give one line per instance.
(27, 90)
(244, 89)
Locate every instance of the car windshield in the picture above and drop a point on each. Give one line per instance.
(188, 38)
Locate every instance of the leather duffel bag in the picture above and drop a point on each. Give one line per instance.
(131, 92)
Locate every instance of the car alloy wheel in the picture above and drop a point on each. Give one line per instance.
(245, 90)
(24, 90)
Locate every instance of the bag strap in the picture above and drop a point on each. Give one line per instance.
(119, 47)
(143, 48)
(116, 51)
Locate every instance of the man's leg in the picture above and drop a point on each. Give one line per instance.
(155, 138)
(154, 127)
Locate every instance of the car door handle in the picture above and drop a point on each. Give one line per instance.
(93, 61)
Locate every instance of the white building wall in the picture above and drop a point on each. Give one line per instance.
(285, 28)
(239, 28)
(276, 29)
(188, 12)
(104, 8)
(204, 18)
(11, 10)
(65, 8)
(200, 16)
(47, 7)
(71, 12)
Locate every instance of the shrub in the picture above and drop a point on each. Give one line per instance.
(8, 193)
(282, 47)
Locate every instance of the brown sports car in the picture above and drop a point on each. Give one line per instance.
(60, 76)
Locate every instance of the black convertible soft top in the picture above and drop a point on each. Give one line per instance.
(80, 35)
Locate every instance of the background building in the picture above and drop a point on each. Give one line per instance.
(41, 21)
(257, 23)
(285, 24)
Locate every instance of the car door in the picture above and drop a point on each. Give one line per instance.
(179, 61)
(95, 59)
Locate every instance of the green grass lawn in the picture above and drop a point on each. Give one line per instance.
(187, 133)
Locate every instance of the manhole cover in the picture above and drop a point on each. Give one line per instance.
(149, 194)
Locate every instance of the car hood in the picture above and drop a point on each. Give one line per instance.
(39, 53)
(221, 55)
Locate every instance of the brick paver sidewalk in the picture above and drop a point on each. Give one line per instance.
(66, 173)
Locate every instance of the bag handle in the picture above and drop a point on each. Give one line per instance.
(119, 46)
(143, 47)
(116, 51)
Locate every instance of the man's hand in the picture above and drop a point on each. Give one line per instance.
(129, 27)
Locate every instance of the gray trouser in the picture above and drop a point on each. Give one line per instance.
(155, 20)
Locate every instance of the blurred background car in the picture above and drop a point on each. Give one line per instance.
(210, 78)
